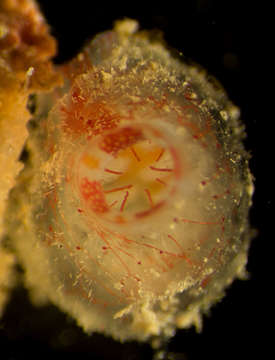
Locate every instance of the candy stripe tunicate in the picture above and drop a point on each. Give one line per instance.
(135, 213)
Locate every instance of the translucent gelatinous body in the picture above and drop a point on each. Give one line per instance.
(138, 191)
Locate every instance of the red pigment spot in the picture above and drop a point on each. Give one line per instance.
(160, 155)
(161, 181)
(92, 192)
(124, 201)
(206, 281)
(159, 169)
(118, 189)
(149, 197)
(120, 139)
(113, 171)
(135, 154)
(113, 203)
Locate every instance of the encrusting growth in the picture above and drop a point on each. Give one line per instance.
(25, 68)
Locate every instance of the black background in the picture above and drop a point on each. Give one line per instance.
(229, 41)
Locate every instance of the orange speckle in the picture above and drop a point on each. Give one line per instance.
(93, 193)
(120, 139)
